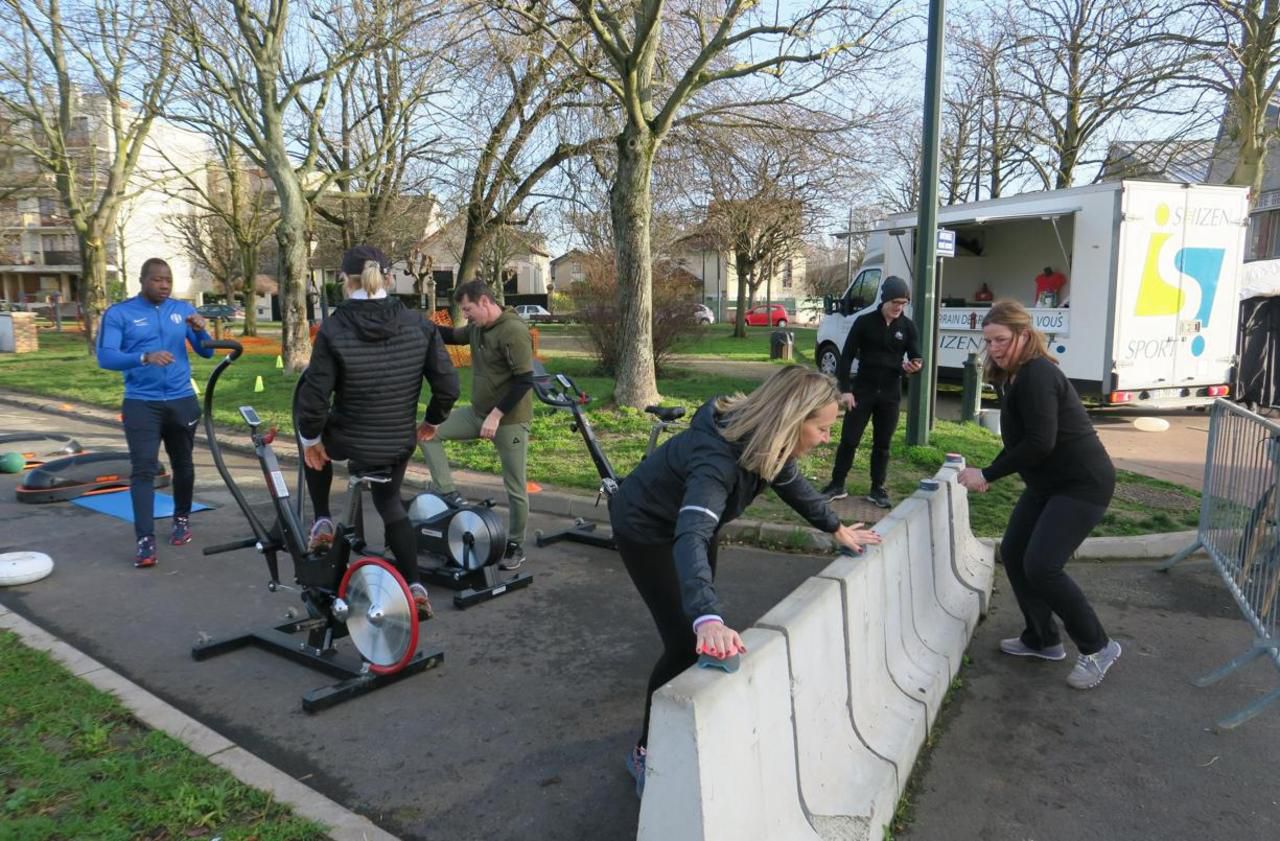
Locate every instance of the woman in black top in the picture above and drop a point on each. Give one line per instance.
(1050, 443)
(668, 512)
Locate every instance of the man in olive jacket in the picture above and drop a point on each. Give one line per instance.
(501, 404)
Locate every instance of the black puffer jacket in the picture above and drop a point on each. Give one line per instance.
(371, 356)
(690, 487)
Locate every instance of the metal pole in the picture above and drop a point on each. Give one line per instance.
(848, 251)
(922, 385)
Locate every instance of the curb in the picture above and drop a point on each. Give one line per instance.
(341, 823)
(794, 536)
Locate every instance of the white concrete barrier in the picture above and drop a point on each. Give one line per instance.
(815, 737)
(973, 562)
(955, 597)
(722, 753)
(890, 722)
(848, 790)
(941, 632)
(918, 670)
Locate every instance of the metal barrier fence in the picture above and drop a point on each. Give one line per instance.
(1240, 529)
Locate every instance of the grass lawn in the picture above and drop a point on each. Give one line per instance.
(717, 340)
(557, 456)
(76, 765)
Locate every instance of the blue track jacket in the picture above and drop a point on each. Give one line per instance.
(137, 326)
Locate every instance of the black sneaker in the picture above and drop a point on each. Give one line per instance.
(880, 497)
(453, 499)
(514, 557)
(834, 491)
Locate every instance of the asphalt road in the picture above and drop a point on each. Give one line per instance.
(520, 734)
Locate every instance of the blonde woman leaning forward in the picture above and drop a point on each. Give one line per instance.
(1050, 443)
(669, 511)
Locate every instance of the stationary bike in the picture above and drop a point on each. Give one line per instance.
(365, 599)
(560, 392)
(465, 544)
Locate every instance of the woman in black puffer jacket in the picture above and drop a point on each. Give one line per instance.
(359, 401)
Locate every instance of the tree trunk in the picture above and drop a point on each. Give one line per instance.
(630, 205)
(93, 283)
(249, 271)
(293, 268)
(742, 265)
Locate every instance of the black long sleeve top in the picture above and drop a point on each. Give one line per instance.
(879, 348)
(1048, 439)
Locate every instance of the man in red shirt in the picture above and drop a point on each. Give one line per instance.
(1049, 281)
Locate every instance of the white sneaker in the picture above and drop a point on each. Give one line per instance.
(1092, 668)
(1016, 647)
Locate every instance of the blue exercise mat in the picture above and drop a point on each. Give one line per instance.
(118, 505)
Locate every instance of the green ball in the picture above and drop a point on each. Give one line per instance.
(12, 463)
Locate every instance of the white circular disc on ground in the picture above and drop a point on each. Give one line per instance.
(1150, 424)
(23, 567)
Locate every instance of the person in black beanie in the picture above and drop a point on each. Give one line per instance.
(359, 401)
(886, 345)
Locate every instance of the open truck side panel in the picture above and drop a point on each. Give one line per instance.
(1166, 342)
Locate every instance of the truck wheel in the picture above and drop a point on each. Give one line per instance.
(828, 359)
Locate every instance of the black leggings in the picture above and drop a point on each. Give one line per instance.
(881, 408)
(1042, 534)
(652, 568)
(386, 499)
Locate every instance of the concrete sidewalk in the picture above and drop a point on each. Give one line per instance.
(1019, 755)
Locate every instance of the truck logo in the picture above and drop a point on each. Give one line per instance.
(1157, 296)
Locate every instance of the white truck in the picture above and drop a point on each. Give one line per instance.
(1149, 312)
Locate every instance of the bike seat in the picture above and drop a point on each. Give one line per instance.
(666, 414)
(372, 477)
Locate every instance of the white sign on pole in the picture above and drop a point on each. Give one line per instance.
(946, 243)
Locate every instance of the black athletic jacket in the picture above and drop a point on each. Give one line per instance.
(1048, 439)
(372, 355)
(691, 486)
(879, 349)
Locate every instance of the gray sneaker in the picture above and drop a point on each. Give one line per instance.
(1016, 647)
(1092, 668)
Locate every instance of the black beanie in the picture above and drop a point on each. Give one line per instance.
(894, 287)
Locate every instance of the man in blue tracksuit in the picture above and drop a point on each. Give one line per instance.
(146, 337)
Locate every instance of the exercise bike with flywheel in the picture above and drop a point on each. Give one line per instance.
(463, 545)
(560, 392)
(365, 599)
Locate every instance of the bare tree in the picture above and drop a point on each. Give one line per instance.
(232, 212)
(1091, 65)
(1241, 39)
(385, 140)
(530, 108)
(280, 96)
(662, 63)
(84, 82)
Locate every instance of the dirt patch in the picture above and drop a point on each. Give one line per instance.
(1161, 498)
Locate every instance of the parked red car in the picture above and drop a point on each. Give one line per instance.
(767, 316)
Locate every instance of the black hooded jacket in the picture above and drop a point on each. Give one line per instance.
(692, 485)
(371, 356)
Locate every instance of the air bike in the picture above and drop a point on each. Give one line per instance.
(365, 599)
(560, 392)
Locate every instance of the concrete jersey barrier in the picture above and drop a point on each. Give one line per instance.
(815, 736)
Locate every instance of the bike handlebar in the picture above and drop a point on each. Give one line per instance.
(566, 395)
(225, 344)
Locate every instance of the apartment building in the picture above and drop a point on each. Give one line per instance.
(39, 248)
